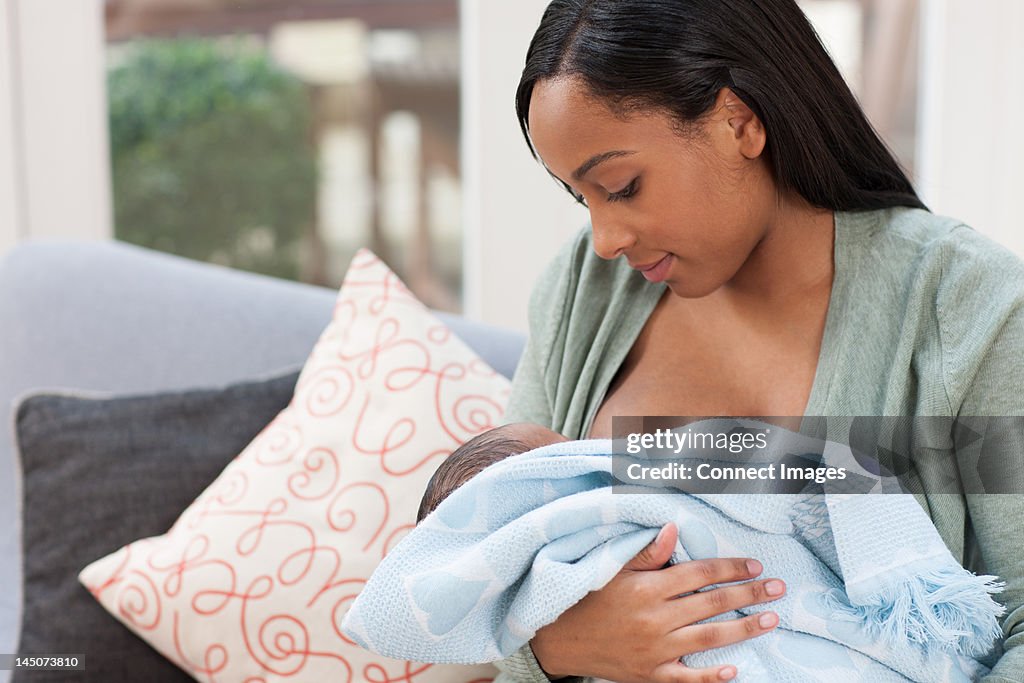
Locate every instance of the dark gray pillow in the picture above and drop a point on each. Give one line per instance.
(101, 473)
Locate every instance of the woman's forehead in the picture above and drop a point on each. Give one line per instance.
(568, 125)
(562, 104)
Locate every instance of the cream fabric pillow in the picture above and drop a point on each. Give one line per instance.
(252, 581)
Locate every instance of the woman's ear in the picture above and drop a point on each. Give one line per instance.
(748, 132)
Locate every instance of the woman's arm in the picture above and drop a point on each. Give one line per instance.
(979, 306)
(529, 401)
(995, 391)
(996, 519)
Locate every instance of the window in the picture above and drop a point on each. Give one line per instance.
(279, 136)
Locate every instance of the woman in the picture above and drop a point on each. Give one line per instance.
(755, 250)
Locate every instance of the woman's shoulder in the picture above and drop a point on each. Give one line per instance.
(916, 237)
(971, 286)
(934, 256)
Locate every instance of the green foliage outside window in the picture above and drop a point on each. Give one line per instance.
(212, 154)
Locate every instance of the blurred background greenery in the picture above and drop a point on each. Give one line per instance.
(211, 152)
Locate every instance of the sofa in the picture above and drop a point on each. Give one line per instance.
(115, 318)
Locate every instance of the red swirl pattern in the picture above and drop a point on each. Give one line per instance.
(320, 470)
(278, 443)
(253, 581)
(139, 601)
(328, 392)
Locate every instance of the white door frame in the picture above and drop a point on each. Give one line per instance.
(54, 149)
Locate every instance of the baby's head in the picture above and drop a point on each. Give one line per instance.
(481, 451)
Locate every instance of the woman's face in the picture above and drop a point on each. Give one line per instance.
(685, 209)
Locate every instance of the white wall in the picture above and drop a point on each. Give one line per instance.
(971, 149)
(11, 195)
(514, 215)
(54, 158)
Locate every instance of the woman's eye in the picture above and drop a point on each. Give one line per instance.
(625, 193)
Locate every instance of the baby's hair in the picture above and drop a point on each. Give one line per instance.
(468, 460)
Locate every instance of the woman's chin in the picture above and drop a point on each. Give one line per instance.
(689, 289)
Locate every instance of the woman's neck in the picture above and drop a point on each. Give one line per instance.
(793, 262)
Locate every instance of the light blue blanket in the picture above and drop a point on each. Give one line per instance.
(873, 594)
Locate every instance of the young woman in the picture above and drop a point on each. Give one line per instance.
(754, 249)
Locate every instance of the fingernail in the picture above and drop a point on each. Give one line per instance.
(774, 588)
(754, 567)
(766, 620)
(727, 674)
(661, 535)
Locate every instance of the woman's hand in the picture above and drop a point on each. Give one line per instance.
(635, 629)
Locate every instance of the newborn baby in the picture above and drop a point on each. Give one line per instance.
(478, 453)
(478, 583)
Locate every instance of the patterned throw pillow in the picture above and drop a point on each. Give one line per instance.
(253, 579)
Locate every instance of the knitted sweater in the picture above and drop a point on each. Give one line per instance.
(925, 318)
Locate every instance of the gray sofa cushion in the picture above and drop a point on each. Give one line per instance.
(113, 317)
(101, 473)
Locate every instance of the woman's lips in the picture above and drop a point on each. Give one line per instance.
(659, 271)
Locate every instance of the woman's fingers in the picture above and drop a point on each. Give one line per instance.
(687, 577)
(699, 637)
(657, 552)
(704, 604)
(677, 672)
(629, 630)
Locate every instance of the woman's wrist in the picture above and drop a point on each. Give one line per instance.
(551, 675)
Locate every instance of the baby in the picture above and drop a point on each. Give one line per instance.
(475, 455)
(440, 596)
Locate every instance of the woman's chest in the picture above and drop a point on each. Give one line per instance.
(689, 365)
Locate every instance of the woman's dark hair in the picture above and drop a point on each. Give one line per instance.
(675, 55)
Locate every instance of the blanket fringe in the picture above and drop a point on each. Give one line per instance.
(951, 609)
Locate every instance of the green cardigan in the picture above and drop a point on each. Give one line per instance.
(926, 317)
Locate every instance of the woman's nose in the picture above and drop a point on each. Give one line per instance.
(610, 239)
